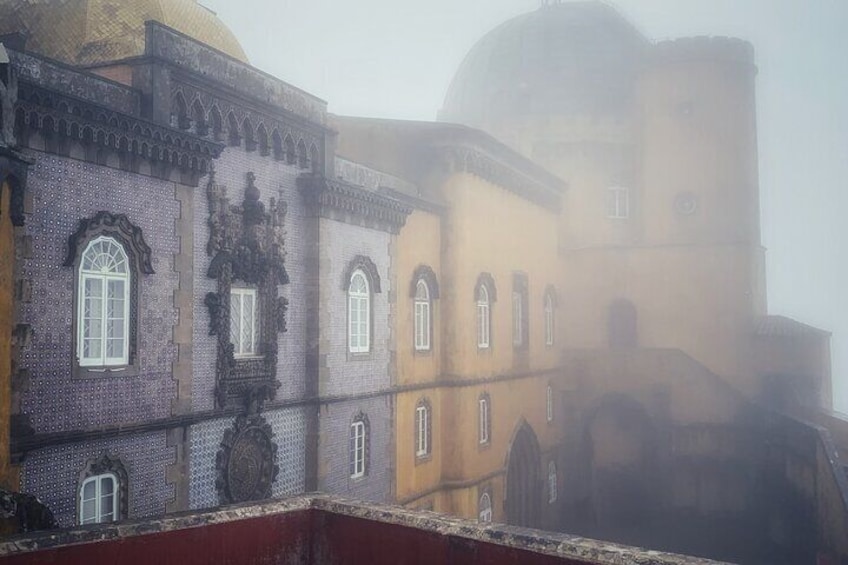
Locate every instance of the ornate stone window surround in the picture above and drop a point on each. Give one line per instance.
(247, 245)
(105, 464)
(360, 447)
(118, 228)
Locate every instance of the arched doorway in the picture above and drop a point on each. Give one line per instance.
(524, 480)
(621, 452)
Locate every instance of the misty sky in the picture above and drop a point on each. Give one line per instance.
(395, 59)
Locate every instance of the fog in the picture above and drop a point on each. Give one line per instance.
(380, 58)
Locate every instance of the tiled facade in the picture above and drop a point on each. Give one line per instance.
(53, 474)
(65, 191)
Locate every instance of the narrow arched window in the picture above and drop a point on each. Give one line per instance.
(484, 423)
(549, 404)
(422, 429)
(422, 316)
(552, 482)
(99, 499)
(359, 313)
(359, 447)
(549, 320)
(104, 304)
(484, 325)
(485, 508)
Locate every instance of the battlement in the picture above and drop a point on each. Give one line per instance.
(703, 48)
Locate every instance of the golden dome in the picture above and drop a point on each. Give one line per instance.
(88, 32)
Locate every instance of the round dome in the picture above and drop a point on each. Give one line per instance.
(88, 32)
(564, 58)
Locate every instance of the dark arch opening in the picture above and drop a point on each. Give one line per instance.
(524, 480)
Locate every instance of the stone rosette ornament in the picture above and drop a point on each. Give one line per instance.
(247, 461)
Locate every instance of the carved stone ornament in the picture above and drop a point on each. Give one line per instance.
(118, 226)
(8, 98)
(247, 246)
(247, 461)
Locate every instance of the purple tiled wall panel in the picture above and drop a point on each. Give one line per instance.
(334, 450)
(343, 373)
(275, 179)
(64, 191)
(289, 427)
(53, 474)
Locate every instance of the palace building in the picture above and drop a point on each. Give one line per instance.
(545, 309)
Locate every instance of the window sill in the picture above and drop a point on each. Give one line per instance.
(359, 356)
(422, 459)
(93, 372)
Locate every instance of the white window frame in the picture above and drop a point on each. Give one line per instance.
(618, 203)
(357, 449)
(98, 517)
(517, 319)
(552, 482)
(484, 420)
(485, 509)
(422, 316)
(242, 350)
(359, 314)
(549, 403)
(105, 279)
(484, 319)
(422, 422)
(549, 320)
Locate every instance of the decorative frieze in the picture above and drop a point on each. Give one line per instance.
(338, 200)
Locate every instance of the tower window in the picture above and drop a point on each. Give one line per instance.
(618, 203)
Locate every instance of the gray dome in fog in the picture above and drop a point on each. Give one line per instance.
(566, 58)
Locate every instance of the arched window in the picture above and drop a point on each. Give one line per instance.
(484, 296)
(549, 403)
(104, 304)
(99, 499)
(359, 313)
(102, 491)
(552, 482)
(549, 320)
(422, 316)
(422, 429)
(484, 320)
(485, 508)
(484, 427)
(520, 318)
(359, 446)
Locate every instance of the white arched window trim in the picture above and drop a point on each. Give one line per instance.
(359, 313)
(103, 307)
(549, 403)
(483, 317)
(422, 316)
(483, 432)
(549, 320)
(99, 497)
(485, 505)
(357, 449)
(552, 482)
(422, 429)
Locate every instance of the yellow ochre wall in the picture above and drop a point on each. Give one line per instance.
(485, 228)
